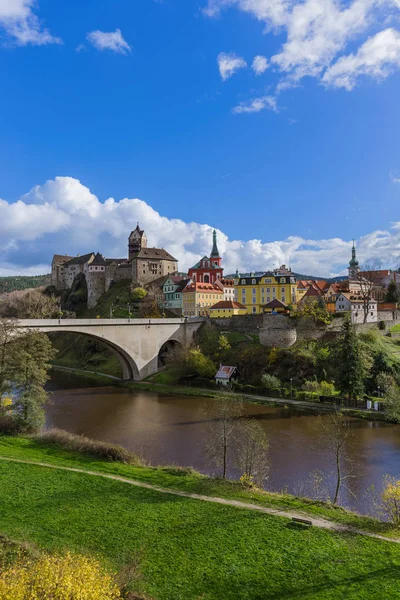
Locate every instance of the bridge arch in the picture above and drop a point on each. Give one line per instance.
(128, 365)
(166, 350)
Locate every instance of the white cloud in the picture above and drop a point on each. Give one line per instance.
(22, 26)
(64, 216)
(259, 65)
(377, 57)
(229, 63)
(318, 33)
(256, 105)
(113, 41)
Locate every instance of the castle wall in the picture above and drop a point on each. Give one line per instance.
(96, 286)
(145, 271)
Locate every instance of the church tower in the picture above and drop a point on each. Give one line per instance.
(214, 256)
(354, 267)
(137, 240)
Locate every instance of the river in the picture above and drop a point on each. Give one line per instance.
(169, 430)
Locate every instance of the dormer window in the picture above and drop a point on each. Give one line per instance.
(253, 281)
(243, 282)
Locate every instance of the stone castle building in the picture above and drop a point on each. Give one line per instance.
(142, 266)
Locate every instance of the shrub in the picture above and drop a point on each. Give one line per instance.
(58, 578)
(391, 499)
(271, 381)
(84, 445)
(138, 294)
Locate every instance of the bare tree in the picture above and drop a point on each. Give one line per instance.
(368, 282)
(252, 451)
(222, 429)
(335, 433)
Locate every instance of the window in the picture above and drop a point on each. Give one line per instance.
(243, 282)
(268, 298)
(282, 280)
(253, 281)
(268, 280)
(268, 290)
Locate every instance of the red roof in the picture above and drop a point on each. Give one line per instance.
(275, 303)
(227, 304)
(225, 372)
(203, 287)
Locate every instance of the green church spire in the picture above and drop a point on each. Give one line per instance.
(354, 261)
(214, 251)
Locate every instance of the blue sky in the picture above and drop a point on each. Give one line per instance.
(289, 157)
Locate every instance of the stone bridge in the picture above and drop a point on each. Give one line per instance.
(139, 344)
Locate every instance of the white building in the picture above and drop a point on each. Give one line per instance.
(354, 304)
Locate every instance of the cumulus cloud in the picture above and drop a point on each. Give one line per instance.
(113, 41)
(256, 105)
(63, 216)
(259, 65)
(377, 57)
(229, 63)
(318, 33)
(22, 26)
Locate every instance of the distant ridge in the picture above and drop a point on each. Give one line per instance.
(23, 282)
(297, 275)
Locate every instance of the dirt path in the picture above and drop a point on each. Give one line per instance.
(316, 521)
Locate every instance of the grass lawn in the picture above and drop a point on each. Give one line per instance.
(192, 549)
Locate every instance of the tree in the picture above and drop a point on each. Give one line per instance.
(222, 430)
(252, 451)
(390, 499)
(392, 293)
(335, 432)
(350, 367)
(9, 334)
(367, 280)
(201, 364)
(270, 381)
(391, 402)
(138, 294)
(31, 304)
(34, 353)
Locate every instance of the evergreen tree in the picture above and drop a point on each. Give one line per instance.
(392, 294)
(350, 374)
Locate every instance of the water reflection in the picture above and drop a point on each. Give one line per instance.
(172, 430)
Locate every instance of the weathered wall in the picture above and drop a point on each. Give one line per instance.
(242, 323)
(96, 286)
(278, 331)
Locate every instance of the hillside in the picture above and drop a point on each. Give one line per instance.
(188, 548)
(23, 282)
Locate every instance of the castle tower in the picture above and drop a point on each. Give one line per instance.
(354, 267)
(136, 241)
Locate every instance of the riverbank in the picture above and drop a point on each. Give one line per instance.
(190, 548)
(178, 390)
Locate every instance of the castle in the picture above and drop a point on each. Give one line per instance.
(142, 266)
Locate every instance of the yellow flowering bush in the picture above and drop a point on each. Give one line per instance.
(69, 577)
(391, 499)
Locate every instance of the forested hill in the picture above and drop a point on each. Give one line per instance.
(22, 282)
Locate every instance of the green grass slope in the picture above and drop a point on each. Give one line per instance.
(189, 549)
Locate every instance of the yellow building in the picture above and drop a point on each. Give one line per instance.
(227, 308)
(197, 298)
(256, 291)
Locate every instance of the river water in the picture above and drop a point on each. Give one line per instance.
(169, 430)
